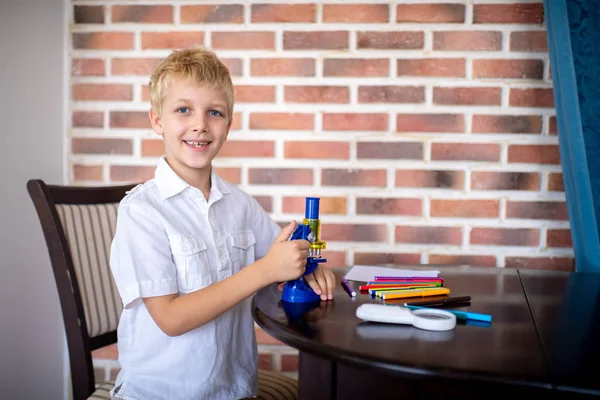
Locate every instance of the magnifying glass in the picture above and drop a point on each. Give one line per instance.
(429, 319)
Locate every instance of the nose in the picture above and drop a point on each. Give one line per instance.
(200, 124)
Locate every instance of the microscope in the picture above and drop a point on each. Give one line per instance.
(298, 291)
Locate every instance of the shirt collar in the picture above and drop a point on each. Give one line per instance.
(170, 184)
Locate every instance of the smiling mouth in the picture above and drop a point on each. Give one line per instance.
(196, 144)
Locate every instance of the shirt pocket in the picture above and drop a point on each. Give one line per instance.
(191, 260)
(242, 248)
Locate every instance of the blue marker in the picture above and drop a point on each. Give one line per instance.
(462, 315)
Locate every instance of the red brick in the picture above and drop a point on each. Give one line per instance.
(280, 176)
(109, 352)
(290, 362)
(430, 179)
(114, 372)
(507, 124)
(317, 150)
(131, 173)
(467, 40)
(153, 147)
(354, 232)
(550, 263)
(322, 40)
(391, 94)
(465, 151)
(463, 259)
(390, 150)
(346, 177)
(232, 175)
(327, 205)
(559, 238)
(555, 182)
(101, 92)
(130, 119)
(247, 148)
(431, 13)
(534, 154)
(531, 98)
(451, 123)
(359, 13)
(467, 96)
(171, 40)
(505, 237)
(358, 67)
(236, 123)
(234, 65)
(210, 14)
(488, 180)
(284, 121)
(103, 41)
(87, 67)
(386, 258)
(548, 210)
(464, 208)
(335, 259)
(355, 122)
(88, 14)
(508, 13)
(263, 337)
(282, 67)
(265, 361)
(442, 67)
(133, 66)
(254, 94)
(530, 41)
(552, 128)
(88, 119)
(382, 206)
(517, 69)
(143, 14)
(243, 40)
(450, 236)
(284, 13)
(101, 146)
(390, 40)
(317, 94)
(88, 172)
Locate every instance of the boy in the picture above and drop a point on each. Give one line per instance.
(191, 249)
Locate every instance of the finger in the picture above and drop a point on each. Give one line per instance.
(286, 232)
(322, 282)
(280, 286)
(330, 278)
(312, 282)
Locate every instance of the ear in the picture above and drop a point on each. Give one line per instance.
(156, 122)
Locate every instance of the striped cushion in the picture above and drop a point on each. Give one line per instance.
(90, 229)
(271, 386)
(103, 390)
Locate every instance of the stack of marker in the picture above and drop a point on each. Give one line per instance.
(397, 287)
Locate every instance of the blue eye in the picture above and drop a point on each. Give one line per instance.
(215, 113)
(183, 110)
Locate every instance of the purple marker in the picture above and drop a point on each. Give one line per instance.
(348, 287)
(407, 279)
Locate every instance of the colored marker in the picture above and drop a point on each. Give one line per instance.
(407, 278)
(415, 293)
(463, 315)
(441, 302)
(348, 287)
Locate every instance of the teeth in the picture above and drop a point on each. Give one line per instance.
(196, 143)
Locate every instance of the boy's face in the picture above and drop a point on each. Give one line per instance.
(194, 126)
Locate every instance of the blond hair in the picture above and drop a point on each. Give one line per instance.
(195, 65)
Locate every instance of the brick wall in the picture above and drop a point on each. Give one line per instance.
(428, 130)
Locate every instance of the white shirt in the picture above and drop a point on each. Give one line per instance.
(169, 239)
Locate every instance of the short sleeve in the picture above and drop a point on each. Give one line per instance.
(140, 257)
(265, 229)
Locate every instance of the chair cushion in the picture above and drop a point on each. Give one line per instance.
(276, 386)
(103, 390)
(272, 386)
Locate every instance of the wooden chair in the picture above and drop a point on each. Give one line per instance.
(79, 224)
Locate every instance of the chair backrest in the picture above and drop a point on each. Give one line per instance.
(79, 224)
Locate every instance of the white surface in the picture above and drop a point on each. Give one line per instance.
(427, 319)
(32, 344)
(368, 273)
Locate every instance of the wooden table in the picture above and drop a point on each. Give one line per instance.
(522, 351)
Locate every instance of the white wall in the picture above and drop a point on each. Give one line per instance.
(32, 50)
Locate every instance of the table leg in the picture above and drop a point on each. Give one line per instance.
(316, 378)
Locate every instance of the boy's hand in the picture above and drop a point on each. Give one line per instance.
(286, 259)
(322, 281)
